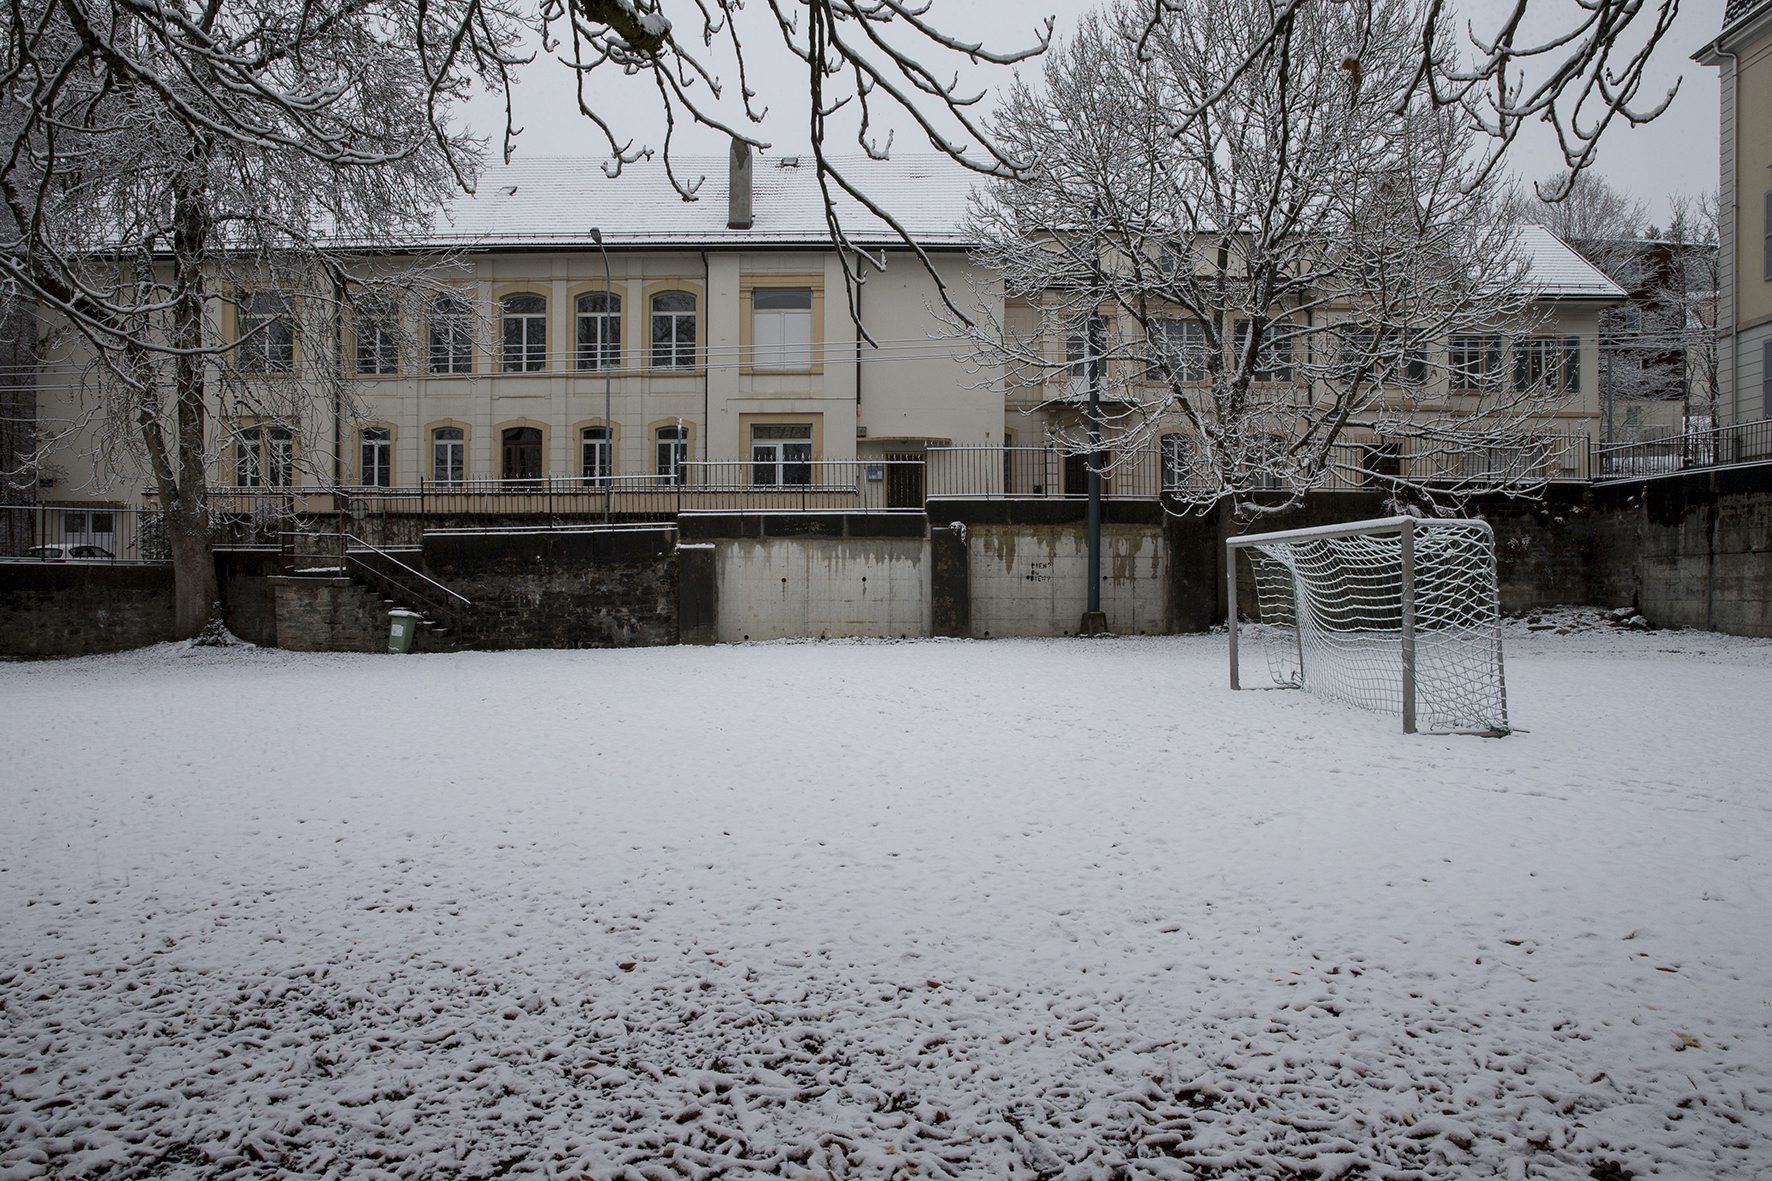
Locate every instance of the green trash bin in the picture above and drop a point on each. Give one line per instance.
(402, 629)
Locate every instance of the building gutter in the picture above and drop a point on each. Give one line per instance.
(707, 368)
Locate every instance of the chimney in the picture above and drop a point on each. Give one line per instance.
(738, 191)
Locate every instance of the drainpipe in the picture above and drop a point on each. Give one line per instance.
(707, 367)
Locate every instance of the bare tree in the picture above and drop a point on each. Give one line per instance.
(268, 132)
(169, 171)
(1271, 274)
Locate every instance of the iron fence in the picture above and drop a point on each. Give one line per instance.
(81, 533)
(1742, 443)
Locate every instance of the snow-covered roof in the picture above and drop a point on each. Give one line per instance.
(1558, 272)
(553, 201)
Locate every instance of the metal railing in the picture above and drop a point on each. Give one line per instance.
(1729, 446)
(867, 485)
(84, 533)
(350, 556)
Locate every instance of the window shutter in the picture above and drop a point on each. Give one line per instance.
(1767, 226)
(1766, 380)
(1572, 363)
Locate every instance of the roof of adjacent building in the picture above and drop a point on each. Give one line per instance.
(1740, 9)
(553, 201)
(1558, 270)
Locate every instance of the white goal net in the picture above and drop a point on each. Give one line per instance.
(1399, 615)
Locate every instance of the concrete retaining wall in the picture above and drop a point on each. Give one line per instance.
(827, 575)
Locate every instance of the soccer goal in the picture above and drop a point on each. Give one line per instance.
(1399, 615)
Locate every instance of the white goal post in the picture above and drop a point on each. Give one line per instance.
(1399, 614)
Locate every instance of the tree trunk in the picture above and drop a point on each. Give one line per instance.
(197, 594)
(196, 591)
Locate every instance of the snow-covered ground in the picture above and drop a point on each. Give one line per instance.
(1010, 909)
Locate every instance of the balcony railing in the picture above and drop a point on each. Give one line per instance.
(871, 485)
(1729, 446)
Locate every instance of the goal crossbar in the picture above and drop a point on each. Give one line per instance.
(1347, 604)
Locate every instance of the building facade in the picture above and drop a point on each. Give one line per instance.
(1743, 52)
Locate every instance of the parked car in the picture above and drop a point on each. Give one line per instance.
(66, 552)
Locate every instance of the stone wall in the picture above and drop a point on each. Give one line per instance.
(50, 609)
(316, 614)
(77, 609)
(562, 589)
(818, 574)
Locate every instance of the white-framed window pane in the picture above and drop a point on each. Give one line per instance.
(280, 457)
(781, 327)
(672, 452)
(450, 335)
(1181, 344)
(377, 456)
(1474, 362)
(781, 453)
(1175, 455)
(267, 333)
(448, 455)
(596, 460)
(673, 330)
(378, 349)
(524, 322)
(599, 330)
(247, 470)
(1273, 359)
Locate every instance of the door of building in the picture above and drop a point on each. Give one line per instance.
(904, 479)
(522, 453)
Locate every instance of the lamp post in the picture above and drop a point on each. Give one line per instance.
(608, 421)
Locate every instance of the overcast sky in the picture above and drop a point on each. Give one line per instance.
(1675, 154)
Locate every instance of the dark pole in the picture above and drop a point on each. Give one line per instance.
(608, 422)
(1094, 621)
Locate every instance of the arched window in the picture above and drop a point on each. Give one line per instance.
(673, 330)
(594, 453)
(671, 445)
(449, 456)
(599, 330)
(524, 324)
(376, 454)
(451, 335)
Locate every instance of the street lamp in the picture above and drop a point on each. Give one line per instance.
(608, 420)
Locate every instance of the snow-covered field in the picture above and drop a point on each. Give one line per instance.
(1011, 909)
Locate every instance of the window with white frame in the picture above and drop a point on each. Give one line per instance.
(450, 335)
(375, 456)
(1085, 346)
(1175, 456)
(378, 348)
(267, 333)
(781, 327)
(449, 454)
(1181, 345)
(596, 454)
(781, 453)
(523, 320)
(1549, 363)
(1474, 363)
(673, 330)
(264, 457)
(598, 319)
(1273, 354)
(671, 453)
